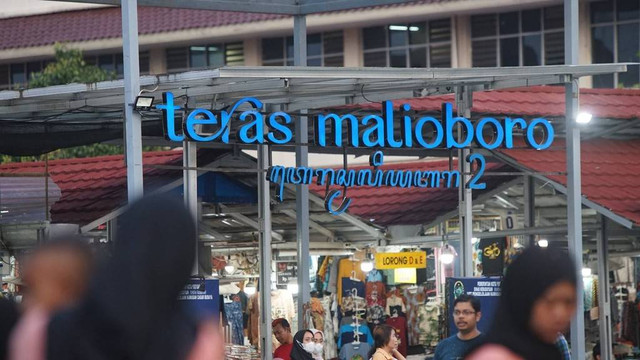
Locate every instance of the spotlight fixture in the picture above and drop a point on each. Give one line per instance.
(543, 243)
(229, 268)
(584, 117)
(586, 272)
(367, 264)
(143, 103)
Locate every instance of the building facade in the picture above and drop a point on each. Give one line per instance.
(426, 33)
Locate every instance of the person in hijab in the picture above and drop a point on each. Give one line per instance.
(131, 310)
(318, 343)
(537, 302)
(302, 345)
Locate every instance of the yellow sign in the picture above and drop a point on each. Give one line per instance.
(405, 276)
(416, 259)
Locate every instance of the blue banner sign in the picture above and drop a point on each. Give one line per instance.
(201, 297)
(486, 289)
(374, 131)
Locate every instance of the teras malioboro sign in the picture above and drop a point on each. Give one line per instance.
(375, 131)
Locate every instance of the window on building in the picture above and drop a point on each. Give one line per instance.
(18, 74)
(615, 37)
(518, 38)
(114, 62)
(204, 56)
(323, 49)
(419, 44)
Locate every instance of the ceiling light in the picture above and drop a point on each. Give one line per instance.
(583, 118)
(586, 272)
(543, 243)
(250, 289)
(447, 254)
(398, 27)
(229, 269)
(366, 265)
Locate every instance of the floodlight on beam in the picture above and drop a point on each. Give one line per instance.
(584, 117)
(143, 103)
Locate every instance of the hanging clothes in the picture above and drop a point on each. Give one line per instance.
(415, 298)
(317, 313)
(428, 315)
(355, 351)
(332, 286)
(348, 268)
(253, 327)
(233, 310)
(395, 305)
(353, 287)
(374, 276)
(376, 294)
(330, 348)
(399, 324)
(347, 334)
(375, 316)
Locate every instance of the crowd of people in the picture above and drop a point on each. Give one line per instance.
(127, 307)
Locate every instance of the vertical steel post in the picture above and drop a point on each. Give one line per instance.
(574, 200)
(529, 206)
(302, 160)
(190, 189)
(604, 301)
(264, 223)
(133, 123)
(463, 101)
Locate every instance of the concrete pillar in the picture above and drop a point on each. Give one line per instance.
(157, 61)
(584, 42)
(252, 52)
(353, 47)
(461, 41)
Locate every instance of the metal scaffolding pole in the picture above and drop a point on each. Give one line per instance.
(133, 123)
(604, 300)
(302, 160)
(190, 189)
(264, 225)
(574, 201)
(529, 206)
(464, 98)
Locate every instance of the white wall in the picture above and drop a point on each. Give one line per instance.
(12, 8)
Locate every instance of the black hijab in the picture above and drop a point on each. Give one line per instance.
(527, 279)
(297, 351)
(131, 310)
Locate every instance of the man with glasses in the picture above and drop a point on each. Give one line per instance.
(466, 314)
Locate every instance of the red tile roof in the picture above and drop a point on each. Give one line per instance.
(93, 187)
(610, 171)
(535, 101)
(106, 23)
(412, 206)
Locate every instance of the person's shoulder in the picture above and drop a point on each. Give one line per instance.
(493, 352)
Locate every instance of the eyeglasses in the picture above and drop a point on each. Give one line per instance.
(464, 312)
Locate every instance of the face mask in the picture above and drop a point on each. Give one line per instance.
(308, 347)
(317, 349)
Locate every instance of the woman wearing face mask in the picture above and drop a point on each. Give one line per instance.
(303, 345)
(386, 344)
(318, 342)
(537, 302)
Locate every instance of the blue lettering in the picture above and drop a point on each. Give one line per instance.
(168, 115)
(406, 127)
(450, 122)
(352, 126)
(194, 119)
(508, 130)
(434, 176)
(418, 132)
(530, 135)
(276, 174)
(322, 174)
(498, 131)
(276, 126)
(473, 183)
(377, 129)
(387, 107)
(329, 200)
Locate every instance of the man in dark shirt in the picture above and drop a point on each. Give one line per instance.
(466, 314)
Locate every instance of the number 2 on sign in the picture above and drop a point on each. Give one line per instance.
(473, 183)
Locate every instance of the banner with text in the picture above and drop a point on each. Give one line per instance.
(486, 289)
